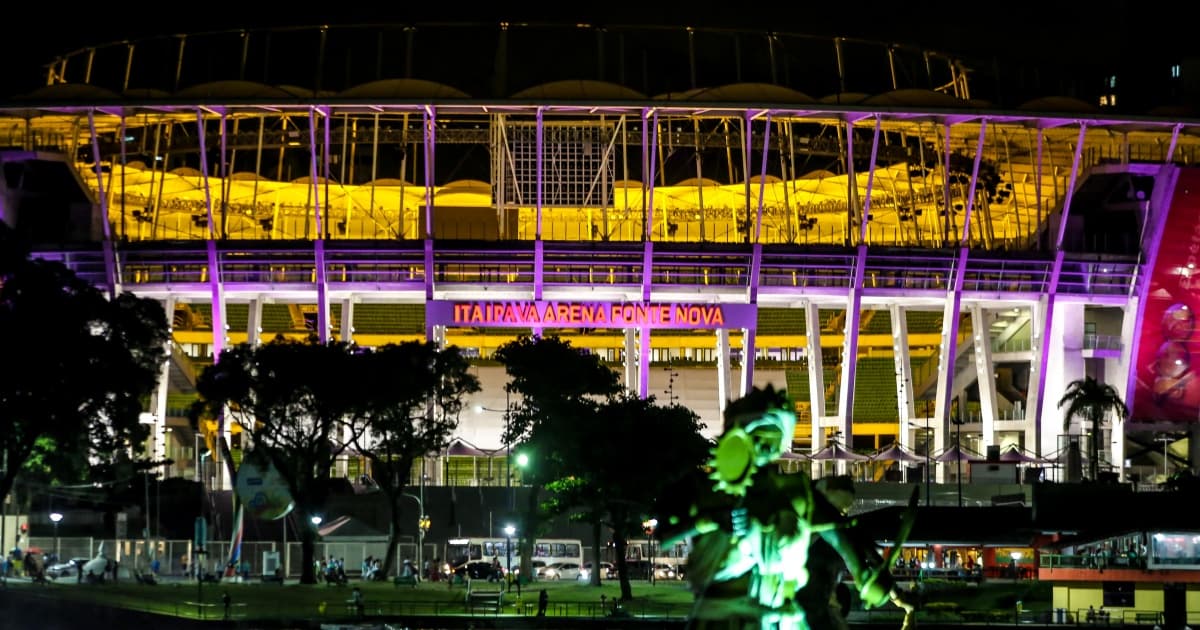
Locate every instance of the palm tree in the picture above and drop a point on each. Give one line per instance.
(1089, 399)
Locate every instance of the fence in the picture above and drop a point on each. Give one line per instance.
(175, 555)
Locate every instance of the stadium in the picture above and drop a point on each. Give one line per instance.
(705, 209)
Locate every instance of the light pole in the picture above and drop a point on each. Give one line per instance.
(649, 526)
(422, 527)
(1166, 441)
(509, 531)
(507, 411)
(55, 517)
(670, 390)
(958, 455)
(522, 464)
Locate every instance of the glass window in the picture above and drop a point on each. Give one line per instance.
(1118, 594)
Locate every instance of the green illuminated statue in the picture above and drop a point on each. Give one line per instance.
(764, 542)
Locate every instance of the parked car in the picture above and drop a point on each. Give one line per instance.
(477, 571)
(561, 571)
(666, 572)
(70, 568)
(608, 568)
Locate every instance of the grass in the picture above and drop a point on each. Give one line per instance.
(938, 599)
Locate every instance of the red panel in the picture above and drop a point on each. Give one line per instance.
(1168, 361)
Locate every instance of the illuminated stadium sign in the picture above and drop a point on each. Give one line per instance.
(561, 314)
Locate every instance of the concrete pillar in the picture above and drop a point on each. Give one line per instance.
(986, 371)
(723, 369)
(630, 362)
(1064, 363)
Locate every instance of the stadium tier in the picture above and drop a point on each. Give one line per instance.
(912, 264)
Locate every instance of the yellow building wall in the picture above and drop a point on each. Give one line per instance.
(1192, 598)
(1147, 597)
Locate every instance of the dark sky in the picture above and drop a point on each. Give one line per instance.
(1045, 32)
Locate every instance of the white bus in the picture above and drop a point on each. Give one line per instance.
(546, 551)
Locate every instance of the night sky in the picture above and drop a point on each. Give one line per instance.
(1049, 34)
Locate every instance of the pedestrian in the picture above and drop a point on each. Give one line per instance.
(356, 599)
(543, 601)
(225, 600)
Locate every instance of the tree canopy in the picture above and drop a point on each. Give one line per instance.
(78, 367)
(603, 454)
(297, 400)
(1090, 400)
(411, 397)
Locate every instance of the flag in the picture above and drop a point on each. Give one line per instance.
(235, 544)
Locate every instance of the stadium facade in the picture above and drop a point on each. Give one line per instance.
(911, 263)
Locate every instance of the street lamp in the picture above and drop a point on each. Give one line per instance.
(55, 517)
(423, 523)
(1166, 441)
(958, 455)
(316, 520)
(649, 526)
(507, 411)
(509, 531)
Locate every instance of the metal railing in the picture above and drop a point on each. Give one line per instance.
(400, 265)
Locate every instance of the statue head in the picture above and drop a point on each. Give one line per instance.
(758, 430)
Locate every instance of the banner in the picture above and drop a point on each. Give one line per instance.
(568, 314)
(1168, 357)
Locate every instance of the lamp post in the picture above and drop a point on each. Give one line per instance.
(55, 517)
(670, 390)
(649, 526)
(509, 531)
(423, 523)
(507, 411)
(958, 455)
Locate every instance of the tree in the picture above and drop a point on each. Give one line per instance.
(76, 371)
(1091, 400)
(296, 400)
(659, 446)
(412, 394)
(553, 382)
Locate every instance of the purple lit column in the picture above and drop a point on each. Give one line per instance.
(428, 138)
(866, 211)
(965, 241)
(214, 263)
(850, 348)
(216, 286)
(1039, 379)
(1156, 222)
(645, 354)
(762, 178)
(111, 272)
(320, 204)
(539, 253)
